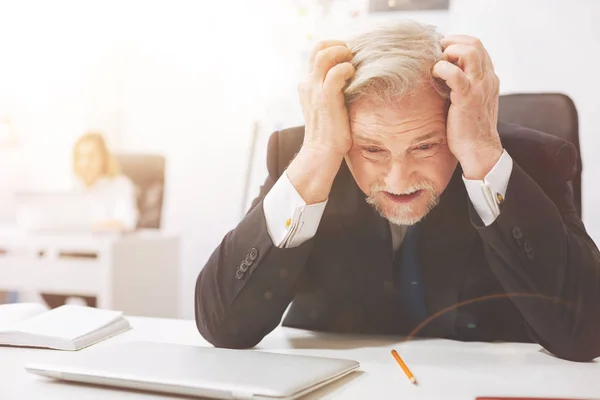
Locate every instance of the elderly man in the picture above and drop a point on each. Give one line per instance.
(403, 207)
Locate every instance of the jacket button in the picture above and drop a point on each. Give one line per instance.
(527, 246)
(253, 255)
(517, 233)
(244, 266)
(531, 255)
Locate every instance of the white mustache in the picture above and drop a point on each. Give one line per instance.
(427, 186)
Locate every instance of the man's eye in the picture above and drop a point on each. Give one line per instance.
(373, 150)
(425, 146)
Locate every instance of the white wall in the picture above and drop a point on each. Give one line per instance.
(57, 79)
(546, 46)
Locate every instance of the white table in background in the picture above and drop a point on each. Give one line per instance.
(445, 369)
(137, 273)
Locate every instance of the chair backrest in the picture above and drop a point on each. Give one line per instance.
(147, 171)
(552, 113)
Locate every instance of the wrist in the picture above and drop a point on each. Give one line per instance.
(312, 173)
(323, 151)
(479, 163)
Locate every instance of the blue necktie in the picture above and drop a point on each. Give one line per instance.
(408, 280)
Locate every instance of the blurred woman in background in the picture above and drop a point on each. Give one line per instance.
(113, 198)
(97, 174)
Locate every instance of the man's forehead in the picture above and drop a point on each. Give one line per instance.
(384, 113)
(382, 123)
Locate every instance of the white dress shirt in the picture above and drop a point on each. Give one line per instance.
(113, 199)
(291, 222)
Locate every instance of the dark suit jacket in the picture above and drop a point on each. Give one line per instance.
(533, 274)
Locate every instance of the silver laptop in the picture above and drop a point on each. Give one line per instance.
(198, 371)
(55, 211)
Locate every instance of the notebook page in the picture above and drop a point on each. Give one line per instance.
(68, 322)
(13, 313)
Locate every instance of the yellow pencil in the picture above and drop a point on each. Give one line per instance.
(402, 365)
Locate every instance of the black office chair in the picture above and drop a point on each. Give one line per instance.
(552, 113)
(147, 171)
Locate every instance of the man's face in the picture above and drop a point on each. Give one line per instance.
(399, 157)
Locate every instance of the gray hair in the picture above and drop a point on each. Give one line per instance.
(393, 61)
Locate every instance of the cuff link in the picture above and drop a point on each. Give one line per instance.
(288, 223)
(499, 199)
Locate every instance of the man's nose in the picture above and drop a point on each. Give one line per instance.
(398, 174)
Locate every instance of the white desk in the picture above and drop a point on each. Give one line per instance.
(445, 369)
(137, 273)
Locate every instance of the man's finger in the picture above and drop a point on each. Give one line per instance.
(467, 57)
(327, 59)
(461, 39)
(322, 46)
(337, 77)
(449, 40)
(454, 77)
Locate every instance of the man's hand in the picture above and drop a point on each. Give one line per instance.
(322, 100)
(327, 136)
(471, 127)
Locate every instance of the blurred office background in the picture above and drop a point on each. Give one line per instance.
(203, 83)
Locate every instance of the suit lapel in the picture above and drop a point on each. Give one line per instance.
(446, 242)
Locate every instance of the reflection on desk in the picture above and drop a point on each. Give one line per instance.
(445, 369)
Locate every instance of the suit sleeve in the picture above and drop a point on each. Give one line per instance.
(248, 282)
(540, 252)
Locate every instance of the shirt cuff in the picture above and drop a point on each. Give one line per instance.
(487, 195)
(290, 222)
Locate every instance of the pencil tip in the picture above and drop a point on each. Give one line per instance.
(414, 381)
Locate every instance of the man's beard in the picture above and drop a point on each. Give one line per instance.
(405, 214)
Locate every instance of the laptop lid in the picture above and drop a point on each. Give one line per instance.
(55, 211)
(198, 371)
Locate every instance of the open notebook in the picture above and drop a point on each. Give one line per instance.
(67, 327)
